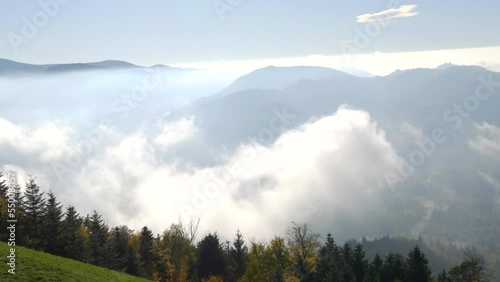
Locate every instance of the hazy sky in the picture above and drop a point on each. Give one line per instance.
(180, 32)
(331, 165)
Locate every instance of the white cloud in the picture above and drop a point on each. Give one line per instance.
(332, 164)
(403, 11)
(487, 141)
(49, 142)
(176, 132)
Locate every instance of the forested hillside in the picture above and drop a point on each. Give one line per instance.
(299, 254)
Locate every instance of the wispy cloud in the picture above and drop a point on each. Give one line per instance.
(487, 142)
(403, 11)
(303, 173)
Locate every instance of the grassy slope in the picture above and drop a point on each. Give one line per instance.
(37, 266)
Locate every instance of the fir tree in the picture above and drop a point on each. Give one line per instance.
(359, 264)
(33, 206)
(146, 252)
(328, 261)
(97, 247)
(238, 256)
(418, 269)
(210, 257)
(52, 225)
(71, 235)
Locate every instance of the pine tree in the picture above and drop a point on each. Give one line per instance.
(375, 269)
(238, 255)
(359, 264)
(210, 257)
(71, 239)
(328, 261)
(394, 268)
(52, 225)
(123, 256)
(347, 258)
(132, 265)
(146, 252)
(418, 269)
(98, 235)
(33, 206)
(119, 248)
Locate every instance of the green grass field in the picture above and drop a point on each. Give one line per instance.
(37, 266)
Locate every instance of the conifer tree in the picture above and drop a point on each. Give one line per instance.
(394, 268)
(122, 257)
(51, 230)
(33, 205)
(210, 257)
(98, 235)
(418, 269)
(238, 255)
(328, 261)
(359, 264)
(347, 262)
(71, 236)
(146, 252)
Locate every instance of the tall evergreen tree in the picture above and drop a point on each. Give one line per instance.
(394, 268)
(359, 263)
(71, 236)
(123, 257)
(237, 255)
(146, 252)
(98, 237)
(210, 257)
(418, 269)
(347, 262)
(33, 206)
(51, 230)
(328, 260)
(375, 269)
(119, 248)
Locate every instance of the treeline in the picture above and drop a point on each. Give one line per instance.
(299, 255)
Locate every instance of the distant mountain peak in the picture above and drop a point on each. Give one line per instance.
(445, 66)
(272, 77)
(114, 64)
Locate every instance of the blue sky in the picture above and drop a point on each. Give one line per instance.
(180, 31)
